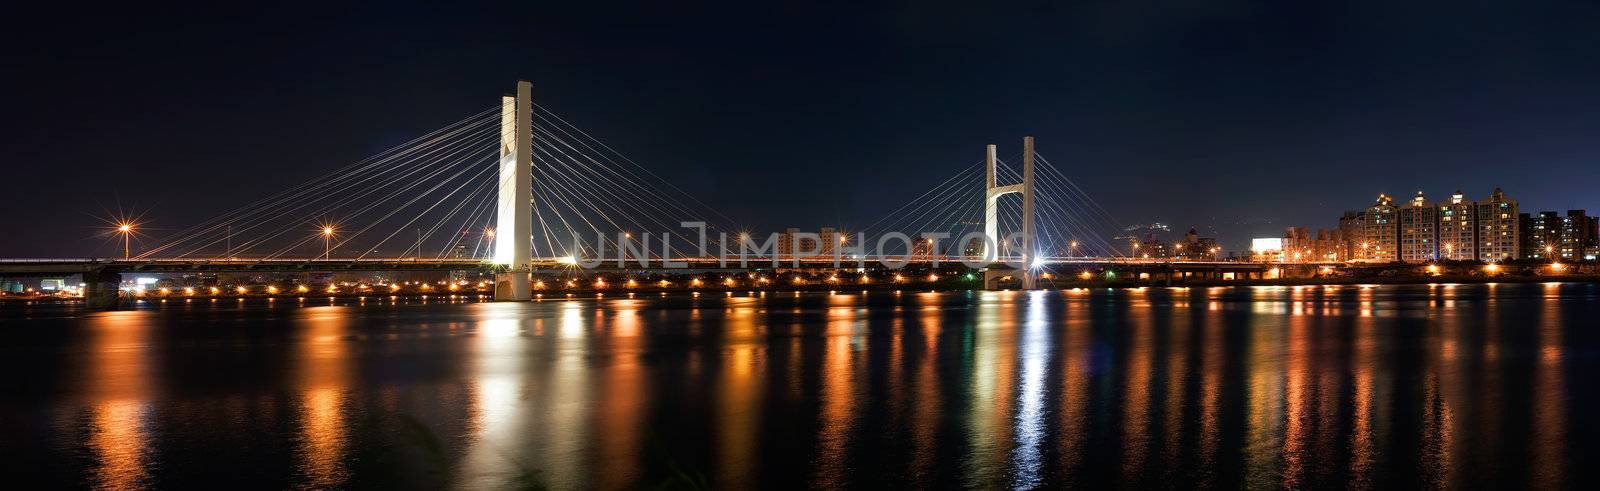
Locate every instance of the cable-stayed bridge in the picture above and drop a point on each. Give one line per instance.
(515, 188)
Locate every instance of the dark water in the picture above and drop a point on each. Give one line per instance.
(1445, 385)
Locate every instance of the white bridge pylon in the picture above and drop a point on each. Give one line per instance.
(513, 240)
(991, 211)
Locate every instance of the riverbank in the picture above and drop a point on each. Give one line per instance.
(952, 285)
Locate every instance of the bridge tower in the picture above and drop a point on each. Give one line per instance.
(513, 240)
(991, 214)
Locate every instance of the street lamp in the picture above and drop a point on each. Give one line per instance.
(327, 241)
(126, 229)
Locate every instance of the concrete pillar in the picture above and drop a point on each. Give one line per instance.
(991, 212)
(1027, 213)
(100, 290)
(513, 286)
(513, 240)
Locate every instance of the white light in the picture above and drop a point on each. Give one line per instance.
(567, 260)
(1273, 244)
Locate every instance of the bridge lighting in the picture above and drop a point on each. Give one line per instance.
(1491, 268)
(166, 291)
(539, 285)
(188, 290)
(933, 277)
(302, 289)
(242, 290)
(632, 283)
(833, 279)
(215, 290)
(126, 229)
(395, 287)
(727, 281)
(600, 283)
(333, 289)
(327, 241)
(454, 287)
(1433, 269)
(272, 289)
(488, 233)
(865, 280)
(1085, 275)
(1557, 267)
(567, 260)
(664, 283)
(898, 278)
(695, 282)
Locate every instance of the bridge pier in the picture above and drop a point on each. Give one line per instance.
(513, 286)
(100, 289)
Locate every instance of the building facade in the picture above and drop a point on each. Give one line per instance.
(1498, 228)
(1419, 230)
(1196, 248)
(1458, 229)
(1381, 238)
(1352, 231)
(1550, 235)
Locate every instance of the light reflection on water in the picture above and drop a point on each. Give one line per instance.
(1436, 385)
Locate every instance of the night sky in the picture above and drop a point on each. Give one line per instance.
(1239, 118)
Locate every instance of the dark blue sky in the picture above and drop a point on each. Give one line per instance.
(1239, 116)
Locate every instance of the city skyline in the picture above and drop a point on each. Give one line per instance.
(1212, 118)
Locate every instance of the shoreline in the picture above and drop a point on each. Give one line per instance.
(923, 287)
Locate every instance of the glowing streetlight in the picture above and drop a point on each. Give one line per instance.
(327, 241)
(126, 229)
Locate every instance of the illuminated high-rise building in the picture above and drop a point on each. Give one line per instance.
(1458, 229)
(1382, 237)
(1419, 231)
(1498, 228)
